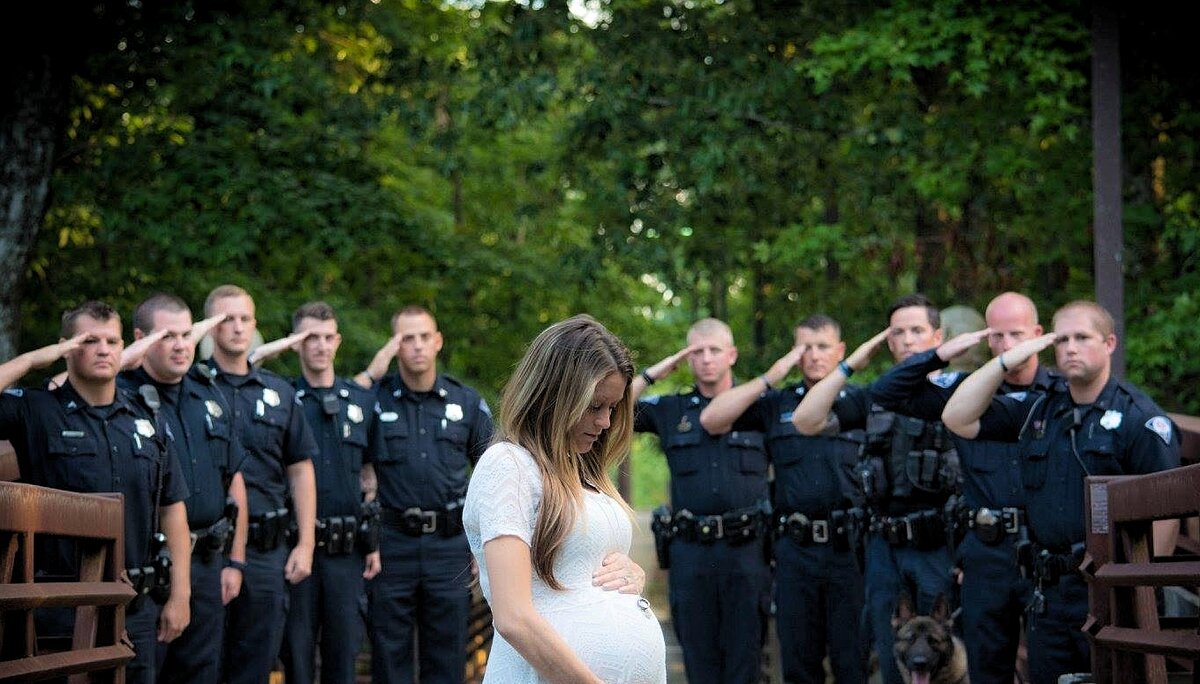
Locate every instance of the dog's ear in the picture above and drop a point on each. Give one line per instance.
(941, 609)
(904, 611)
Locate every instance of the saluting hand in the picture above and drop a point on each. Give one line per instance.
(668, 365)
(40, 358)
(202, 328)
(1027, 349)
(961, 344)
(132, 355)
(860, 357)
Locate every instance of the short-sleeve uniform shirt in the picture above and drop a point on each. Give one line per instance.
(64, 443)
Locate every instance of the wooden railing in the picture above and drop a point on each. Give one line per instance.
(1130, 642)
(96, 522)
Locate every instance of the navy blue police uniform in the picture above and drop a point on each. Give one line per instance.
(908, 473)
(818, 516)
(63, 442)
(431, 439)
(719, 580)
(199, 424)
(991, 523)
(328, 607)
(271, 428)
(1122, 433)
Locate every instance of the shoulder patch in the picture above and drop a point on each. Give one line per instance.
(945, 380)
(1161, 426)
(653, 401)
(15, 392)
(1018, 396)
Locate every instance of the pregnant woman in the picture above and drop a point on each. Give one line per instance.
(542, 515)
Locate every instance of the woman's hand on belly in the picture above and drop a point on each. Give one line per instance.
(618, 572)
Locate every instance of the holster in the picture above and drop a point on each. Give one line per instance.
(269, 530)
(368, 527)
(218, 537)
(153, 579)
(660, 526)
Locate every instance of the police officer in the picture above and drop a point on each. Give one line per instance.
(325, 607)
(992, 521)
(908, 475)
(1087, 423)
(434, 426)
(199, 424)
(279, 447)
(90, 436)
(817, 509)
(719, 580)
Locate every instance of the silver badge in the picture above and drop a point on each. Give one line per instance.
(388, 417)
(454, 412)
(1111, 420)
(144, 427)
(214, 409)
(344, 393)
(354, 413)
(270, 397)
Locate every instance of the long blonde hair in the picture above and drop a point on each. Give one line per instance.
(544, 399)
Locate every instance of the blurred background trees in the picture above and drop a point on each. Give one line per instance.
(646, 161)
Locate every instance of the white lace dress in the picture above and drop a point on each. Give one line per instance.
(617, 635)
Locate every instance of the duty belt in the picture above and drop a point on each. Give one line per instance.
(737, 526)
(212, 539)
(924, 530)
(993, 525)
(337, 534)
(416, 522)
(269, 530)
(838, 527)
(1045, 567)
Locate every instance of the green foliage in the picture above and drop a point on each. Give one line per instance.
(508, 165)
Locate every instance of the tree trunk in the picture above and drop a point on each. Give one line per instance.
(32, 98)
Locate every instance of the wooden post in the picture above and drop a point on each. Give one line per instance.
(1108, 246)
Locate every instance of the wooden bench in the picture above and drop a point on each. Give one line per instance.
(99, 598)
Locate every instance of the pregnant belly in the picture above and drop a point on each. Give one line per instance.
(619, 640)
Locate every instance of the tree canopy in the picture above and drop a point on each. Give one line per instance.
(647, 161)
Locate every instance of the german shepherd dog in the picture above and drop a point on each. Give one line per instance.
(926, 652)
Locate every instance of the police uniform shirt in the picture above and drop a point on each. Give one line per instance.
(813, 475)
(271, 429)
(199, 423)
(991, 469)
(64, 443)
(431, 437)
(710, 474)
(1122, 433)
(346, 427)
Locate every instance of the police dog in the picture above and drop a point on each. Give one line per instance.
(926, 652)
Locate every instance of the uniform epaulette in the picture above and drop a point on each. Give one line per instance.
(1139, 398)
